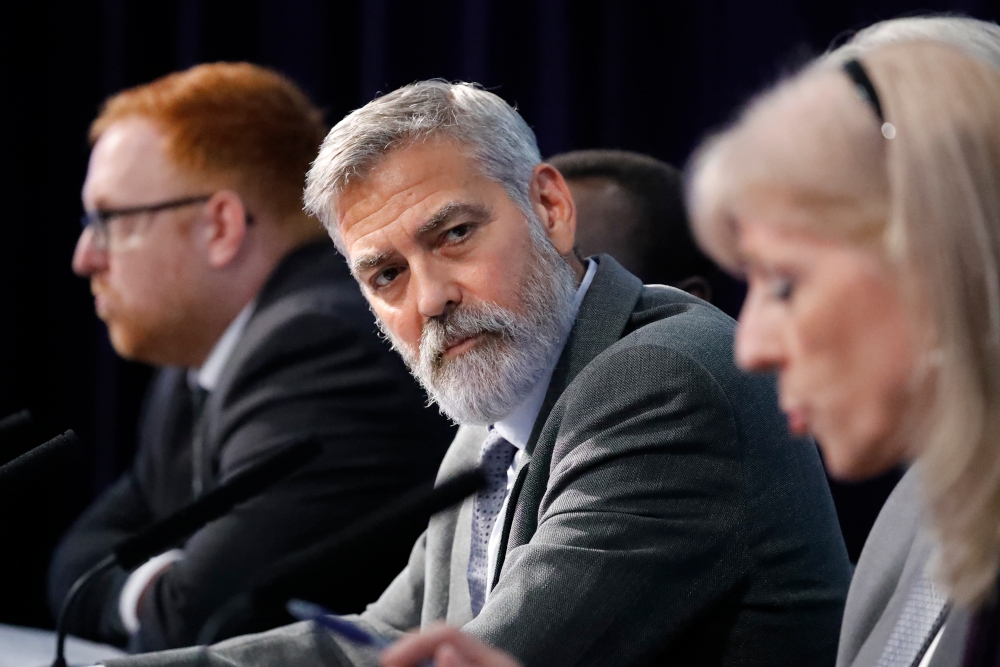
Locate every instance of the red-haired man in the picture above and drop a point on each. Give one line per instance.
(202, 262)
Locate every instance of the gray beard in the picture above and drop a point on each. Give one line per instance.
(488, 381)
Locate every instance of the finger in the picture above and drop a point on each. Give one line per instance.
(448, 656)
(467, 650)
(418, 646)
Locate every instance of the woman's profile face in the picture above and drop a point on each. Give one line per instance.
(828, 317)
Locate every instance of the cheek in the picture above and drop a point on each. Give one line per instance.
(152, 286)
(859, 379)
(143, 279)
(403, 323)
(492, 275)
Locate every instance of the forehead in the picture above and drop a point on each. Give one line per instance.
(129, 157)
(409, 186)
(763, 243)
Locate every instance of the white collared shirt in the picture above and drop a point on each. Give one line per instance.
(206, 377)
(517, 426)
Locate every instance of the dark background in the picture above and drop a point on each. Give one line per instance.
(645, 76)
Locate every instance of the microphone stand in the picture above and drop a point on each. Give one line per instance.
(285, 577)
(134, 550)
(81, 582)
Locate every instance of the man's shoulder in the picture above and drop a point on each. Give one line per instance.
(677, 352)
(668, 326)
(310, 306)
(675, 347)
(311, 321)
(311, 281)
(670, 317)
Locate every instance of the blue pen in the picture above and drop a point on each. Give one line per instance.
(310, 611)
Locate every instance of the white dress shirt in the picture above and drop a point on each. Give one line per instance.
(516, 429)
(206, 377)
(929, 654)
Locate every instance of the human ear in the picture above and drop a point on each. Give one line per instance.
(227, 225)
(554, 205)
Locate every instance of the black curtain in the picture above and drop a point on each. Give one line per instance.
(646, 76)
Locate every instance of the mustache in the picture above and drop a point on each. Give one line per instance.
(464, 322)
(441, 332)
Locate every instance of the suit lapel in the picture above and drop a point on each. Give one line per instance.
(951, 646)
(603, 316)
(508, 520)
(165, 439)
(600, 322)
(301, 278)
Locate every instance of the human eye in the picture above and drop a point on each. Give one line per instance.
(781, 288)
(771, 284)
(458, 233)
(385, 277)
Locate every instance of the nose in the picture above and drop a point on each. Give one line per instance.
(436, 290)
(759, 343)
(88, 258)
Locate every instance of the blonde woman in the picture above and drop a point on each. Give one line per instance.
(900, 546)
(862, 204)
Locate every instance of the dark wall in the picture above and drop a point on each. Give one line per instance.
(647, 76)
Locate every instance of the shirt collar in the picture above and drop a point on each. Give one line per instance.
(516, 427)
(207, 377)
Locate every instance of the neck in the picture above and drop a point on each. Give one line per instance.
(579, 268)
(228, 289)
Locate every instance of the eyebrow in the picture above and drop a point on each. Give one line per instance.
(449, 212)
(366, 262)
(441, 217)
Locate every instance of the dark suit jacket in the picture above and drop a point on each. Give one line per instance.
(309, 362)
(665, 516)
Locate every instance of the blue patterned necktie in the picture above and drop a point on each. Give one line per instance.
(919, 622)
(495, 457)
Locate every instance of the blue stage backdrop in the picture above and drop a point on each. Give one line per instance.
(647, 76)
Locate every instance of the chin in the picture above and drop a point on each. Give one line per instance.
(126, 343)
(848, 461)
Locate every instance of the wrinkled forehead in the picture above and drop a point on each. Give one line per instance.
(407, 189)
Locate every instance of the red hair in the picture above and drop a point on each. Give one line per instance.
(233, 120)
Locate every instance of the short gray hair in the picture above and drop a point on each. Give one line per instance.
(979, 39)
(500, 141)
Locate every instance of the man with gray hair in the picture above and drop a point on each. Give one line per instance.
(895, 615)
(646, 502)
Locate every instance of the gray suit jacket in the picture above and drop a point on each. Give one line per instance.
(896, 552)
(665, 515)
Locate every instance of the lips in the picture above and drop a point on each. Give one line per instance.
(798, 420)
(460, 345)
(101, 304)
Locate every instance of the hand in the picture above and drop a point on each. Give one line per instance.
(448, 647)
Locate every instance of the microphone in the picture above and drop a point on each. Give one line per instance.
(290, 575)
(28, 467)
(12, 428)
(134, 550)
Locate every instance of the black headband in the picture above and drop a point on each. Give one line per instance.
(866, 89)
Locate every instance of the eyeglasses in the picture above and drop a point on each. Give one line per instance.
(99, 220)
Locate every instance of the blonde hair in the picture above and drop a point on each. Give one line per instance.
(810, 155)
(980, 39)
